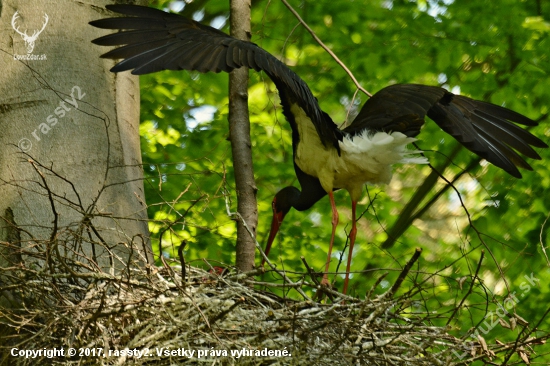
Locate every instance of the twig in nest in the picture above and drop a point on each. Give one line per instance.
(313, 276)
(369, 294)
(469, 290)
(227, 311)
(542, 241)
(312, 273)
(404, 273)
(260, 249)
(182, 261)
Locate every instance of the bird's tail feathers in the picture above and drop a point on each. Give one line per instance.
(382, 148)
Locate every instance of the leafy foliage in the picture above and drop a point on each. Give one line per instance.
(493, 51)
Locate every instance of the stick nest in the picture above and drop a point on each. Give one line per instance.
(213, 315)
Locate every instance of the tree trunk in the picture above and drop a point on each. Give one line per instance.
(239, 129)
(71, 180)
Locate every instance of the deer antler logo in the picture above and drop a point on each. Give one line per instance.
(29, 40)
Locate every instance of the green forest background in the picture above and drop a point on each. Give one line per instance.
(497, 51)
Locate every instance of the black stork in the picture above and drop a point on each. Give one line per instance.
(326, 158)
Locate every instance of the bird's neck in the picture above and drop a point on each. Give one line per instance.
(312, 191)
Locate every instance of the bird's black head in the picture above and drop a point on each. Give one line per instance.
(284, 200)
(282, 203)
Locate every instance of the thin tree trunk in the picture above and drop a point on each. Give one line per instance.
(239, 130)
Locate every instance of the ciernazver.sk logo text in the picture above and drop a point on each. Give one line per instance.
(29, 40)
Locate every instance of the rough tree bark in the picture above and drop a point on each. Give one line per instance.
(239, 130)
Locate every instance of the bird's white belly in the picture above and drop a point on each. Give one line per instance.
(365, 158)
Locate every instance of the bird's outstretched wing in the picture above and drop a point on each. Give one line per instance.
(156, 40)
(483, 128)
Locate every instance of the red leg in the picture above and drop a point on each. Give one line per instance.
(335, 218)
(352, 235)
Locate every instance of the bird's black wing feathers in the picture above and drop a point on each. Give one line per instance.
(156, 41)
(483, 128)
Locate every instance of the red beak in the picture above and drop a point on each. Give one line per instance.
(275, 225)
